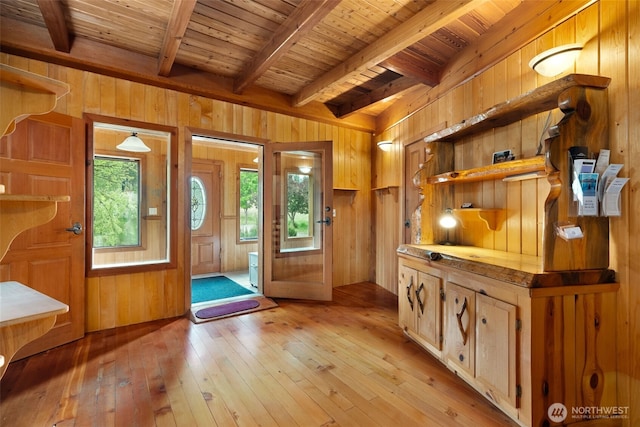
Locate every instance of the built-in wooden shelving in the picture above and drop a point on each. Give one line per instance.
(541, 99)
(491, 172)
(25, 314)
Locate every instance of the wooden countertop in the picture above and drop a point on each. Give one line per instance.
(20, 304)
(518, 269)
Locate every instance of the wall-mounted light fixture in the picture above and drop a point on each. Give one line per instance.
(385, 145)
(556, 60)
(134, 144)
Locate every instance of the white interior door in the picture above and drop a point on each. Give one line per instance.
(298, 197)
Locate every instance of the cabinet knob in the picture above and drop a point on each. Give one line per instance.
(461, 357)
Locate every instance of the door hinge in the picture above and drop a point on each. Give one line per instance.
(518, 391)
(442, 296)
(518, 324)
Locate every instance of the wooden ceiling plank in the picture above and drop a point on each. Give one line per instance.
(53, 15)
(378, 95)
(306, 16)
(31, 41)
(519, 27)
(428, 20)
(177, 26)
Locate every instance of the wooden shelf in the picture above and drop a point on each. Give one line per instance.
(386, 188)
(20, 213)
(344, 189)
(542, 99)
(28, 94)
(25, 314)
(491, 172)
(492, 218)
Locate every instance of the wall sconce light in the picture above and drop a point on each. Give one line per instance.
(134, 144)
(305, 169)
(556, 60)
(447, 221)
(385, 145)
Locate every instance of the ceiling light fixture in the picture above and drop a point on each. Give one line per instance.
(305, 169)
(134, 144)
(385, 145)
(556, 60)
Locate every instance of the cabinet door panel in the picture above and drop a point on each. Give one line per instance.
(460, 328)
(407, 278)
(428, 307)
(496, 348)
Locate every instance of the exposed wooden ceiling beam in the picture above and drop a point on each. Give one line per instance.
(53, 14)
(31, 41)
(303, 19)
(519, 27)
(384, 92)
(178, 22)
(409, 66)
(425, 22)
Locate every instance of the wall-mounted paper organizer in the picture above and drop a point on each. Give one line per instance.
(595, 185)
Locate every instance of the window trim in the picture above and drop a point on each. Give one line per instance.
(172, 189)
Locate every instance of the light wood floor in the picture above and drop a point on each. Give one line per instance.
(344, 363)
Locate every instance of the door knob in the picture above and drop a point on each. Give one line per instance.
(326, 221)
(75, 229)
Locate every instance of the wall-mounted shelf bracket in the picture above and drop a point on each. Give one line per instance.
(20, 213)
(492, 218)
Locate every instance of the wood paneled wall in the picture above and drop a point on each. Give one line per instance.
(610, 32)
(126, 299)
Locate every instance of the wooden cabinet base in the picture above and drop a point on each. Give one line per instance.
(527, 349)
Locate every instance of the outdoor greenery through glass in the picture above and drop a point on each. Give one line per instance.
(248, 204)
(116, 202)
(298, 191)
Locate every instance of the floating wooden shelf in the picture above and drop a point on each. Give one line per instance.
(20, 213)
(386, 188)
(29, 94)
(491, 172)
(542, 99)
(344, 189)
(490, 217)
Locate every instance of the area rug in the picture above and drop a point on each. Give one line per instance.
(214, 288)
(222, 310)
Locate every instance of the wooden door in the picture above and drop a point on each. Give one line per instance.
(496, 348)
(205, 221)
(297, 263)
(45, 156)
(459, 339)
(407, 278)
(429, 321)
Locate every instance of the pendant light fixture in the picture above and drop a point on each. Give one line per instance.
(134, 144)
(556, 60)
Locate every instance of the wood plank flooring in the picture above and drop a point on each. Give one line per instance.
(343, 363)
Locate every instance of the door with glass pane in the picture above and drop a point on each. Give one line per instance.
(205, 217)
(297, 217)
